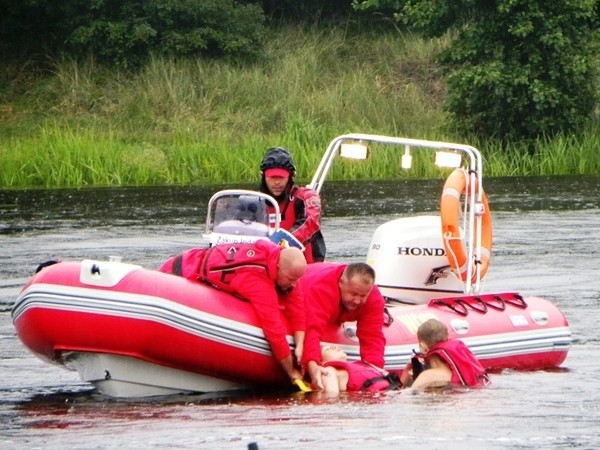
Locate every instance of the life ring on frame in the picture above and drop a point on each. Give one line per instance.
(450, 209)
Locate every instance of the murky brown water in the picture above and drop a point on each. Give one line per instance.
(546, 243)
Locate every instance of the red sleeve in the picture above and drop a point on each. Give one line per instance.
(322, 309)
(295, 308)
(369, 329)
(260, 291)
(314, 332)
(308, 223)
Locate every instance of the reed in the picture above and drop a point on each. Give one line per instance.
(210, 122)
(561, 155)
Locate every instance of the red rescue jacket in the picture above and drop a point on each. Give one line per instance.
(320, 283)
(217, 265)
(247, 271)
(363, 377)
(466, 369)
(301, 215)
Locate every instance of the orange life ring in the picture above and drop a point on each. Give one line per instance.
(450, 209)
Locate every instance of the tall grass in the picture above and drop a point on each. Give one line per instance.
(205, 121)
(562, 155)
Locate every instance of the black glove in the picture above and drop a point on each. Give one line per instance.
(417, 367)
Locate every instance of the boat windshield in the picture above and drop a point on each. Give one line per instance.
(236, 213)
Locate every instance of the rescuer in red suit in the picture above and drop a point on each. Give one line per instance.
(300, 207)
(265, 274)
(337, 293)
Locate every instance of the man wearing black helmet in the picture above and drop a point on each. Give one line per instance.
(300, 206)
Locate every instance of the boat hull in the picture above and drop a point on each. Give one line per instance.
(137, 332)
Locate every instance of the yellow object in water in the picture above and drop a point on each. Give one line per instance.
(302, 385)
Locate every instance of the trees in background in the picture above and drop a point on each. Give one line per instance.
(125, 32)
(517, 69)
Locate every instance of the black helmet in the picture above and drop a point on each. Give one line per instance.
(278, 158)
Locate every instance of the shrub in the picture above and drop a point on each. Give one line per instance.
(125, 32)
(518, 69)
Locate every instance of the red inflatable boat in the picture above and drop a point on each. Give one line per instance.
(135, 332)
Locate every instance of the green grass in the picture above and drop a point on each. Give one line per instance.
(209, 122)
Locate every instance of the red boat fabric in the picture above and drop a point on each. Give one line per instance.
(219, 339)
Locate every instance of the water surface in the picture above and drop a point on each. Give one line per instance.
(546, 243)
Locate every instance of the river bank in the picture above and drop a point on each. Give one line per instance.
(200, 121)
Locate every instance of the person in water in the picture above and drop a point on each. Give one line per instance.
(263, 273)
(340, 375)
(300, 207)
(447, 361)
(335, 293)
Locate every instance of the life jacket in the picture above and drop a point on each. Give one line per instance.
(288, 213)
(301, 202)
(466, 369)
(216, 265)
(366, 377)
(185, 264)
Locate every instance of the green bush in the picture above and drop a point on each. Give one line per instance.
(518, 69)
(126, 32)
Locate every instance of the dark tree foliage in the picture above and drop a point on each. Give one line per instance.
(125, 32)
(29, 27)
(518, 69)
(307, 9)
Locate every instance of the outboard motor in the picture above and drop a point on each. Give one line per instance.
(410, 261)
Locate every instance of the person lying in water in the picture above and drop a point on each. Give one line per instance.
(447, 361)
(340, 375)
